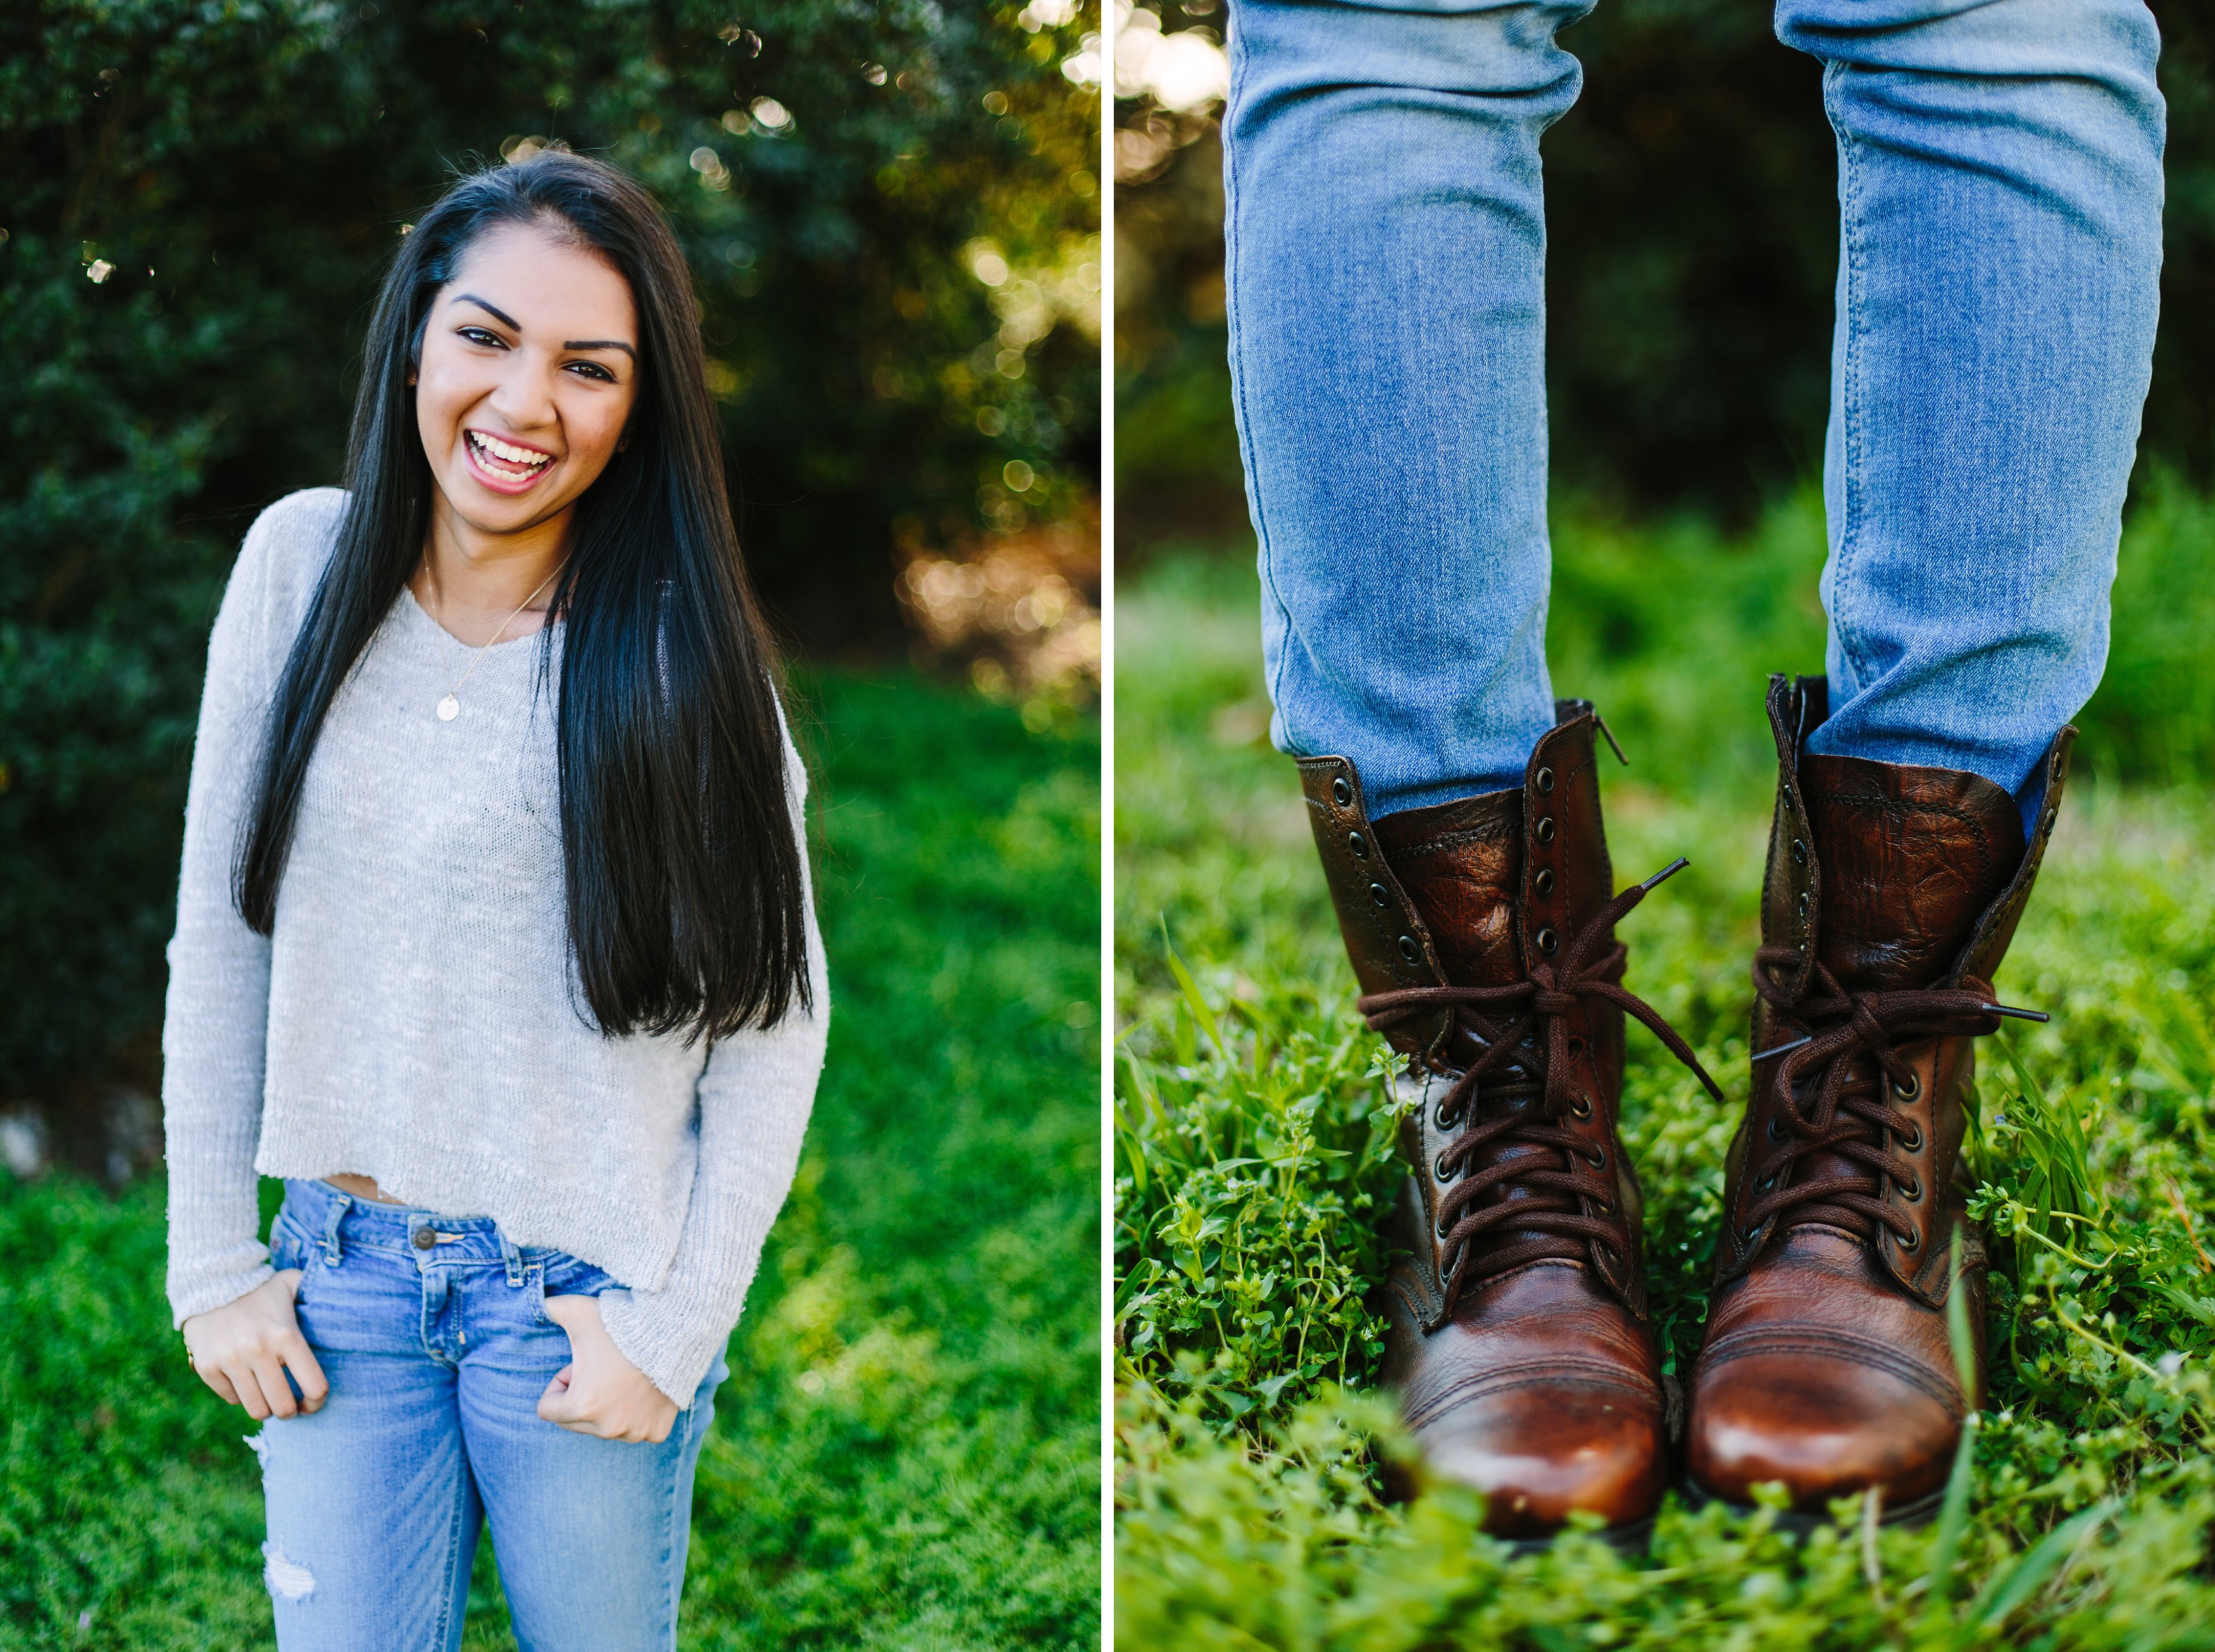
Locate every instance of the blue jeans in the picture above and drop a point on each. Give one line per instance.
(436, 1355)
(2000, 193)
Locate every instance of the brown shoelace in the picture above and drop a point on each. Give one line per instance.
(1830, 1092)
(1540, 1193)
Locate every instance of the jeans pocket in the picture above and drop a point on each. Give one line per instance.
(559, 1274)
(289, 1245)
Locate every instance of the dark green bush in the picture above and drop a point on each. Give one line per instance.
(890, 209)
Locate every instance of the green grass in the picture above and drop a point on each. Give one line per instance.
(1252, 1152)
(906, 1455)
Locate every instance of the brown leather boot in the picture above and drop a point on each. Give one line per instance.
(1892, 894)
(1482, 932)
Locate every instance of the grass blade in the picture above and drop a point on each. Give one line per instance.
(2008, 1590)
(1202, 1016)
(1953, 1513)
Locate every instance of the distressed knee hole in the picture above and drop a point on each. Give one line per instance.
(287, 1579)
(258, 1447)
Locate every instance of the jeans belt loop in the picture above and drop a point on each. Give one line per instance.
(512, 1257)
(339, 1204)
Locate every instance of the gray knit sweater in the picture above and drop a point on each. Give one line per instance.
(416, 1014)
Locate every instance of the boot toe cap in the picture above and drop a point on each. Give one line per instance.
(1825, 1426)
(1541, 1453)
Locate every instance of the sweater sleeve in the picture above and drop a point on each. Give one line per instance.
(755, 1095)
(215, 1025)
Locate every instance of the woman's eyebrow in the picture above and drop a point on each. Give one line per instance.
(498, 315)
(599, 344)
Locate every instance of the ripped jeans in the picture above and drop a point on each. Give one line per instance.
(433, 1333)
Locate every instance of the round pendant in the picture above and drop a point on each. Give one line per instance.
(449, 708)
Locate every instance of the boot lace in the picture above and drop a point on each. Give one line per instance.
(1526, 1027)
(1832, 1095)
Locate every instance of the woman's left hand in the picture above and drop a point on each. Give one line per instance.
(599, 1392)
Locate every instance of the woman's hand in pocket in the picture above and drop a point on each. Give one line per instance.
(243, 1349)
(599, 1392)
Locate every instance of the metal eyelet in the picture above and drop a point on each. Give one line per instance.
(1765, 1183)
(1445, 1228)
(1748, 1235)
(1913, 1191)
(1910, 1089)
(1444, 1174)
(1380, 894)
(1446, 1120)
(1581, 1107)
(1598, 1160)
(1775, 1128)
(1548, 940)
(1359, 845)
(1910, 1139)
(1545, 779)
(1542, 883)
(1342, 793)
(1912, 1241)
(1545, 828)
(1410, 950)
(1575, 1048)
(1800, 850)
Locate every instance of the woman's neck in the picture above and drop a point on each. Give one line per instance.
(473, 582)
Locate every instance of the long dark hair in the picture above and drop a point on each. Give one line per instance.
(685, 881)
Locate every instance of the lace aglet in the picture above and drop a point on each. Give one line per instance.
(1608, 734)
(2019, 1015)
(1779, 1049)
(1665, 874)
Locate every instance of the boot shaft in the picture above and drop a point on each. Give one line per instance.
(1881, 878)
(1481, 892)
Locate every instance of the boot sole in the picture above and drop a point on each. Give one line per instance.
(1627, 1540)
(1908, 1516)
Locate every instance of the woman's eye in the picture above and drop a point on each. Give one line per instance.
(593, 370)
(479, 335)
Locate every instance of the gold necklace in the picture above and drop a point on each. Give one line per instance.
(450, 707)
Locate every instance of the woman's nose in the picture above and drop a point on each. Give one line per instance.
(524, 397)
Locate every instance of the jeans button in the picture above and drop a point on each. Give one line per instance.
(425, 1238)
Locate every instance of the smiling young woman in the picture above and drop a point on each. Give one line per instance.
(501, 953)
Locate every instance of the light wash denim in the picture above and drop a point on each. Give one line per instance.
(2000, 193)
(436, 1356)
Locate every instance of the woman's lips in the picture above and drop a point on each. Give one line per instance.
(500, 473)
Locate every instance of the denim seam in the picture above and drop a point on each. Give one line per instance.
(672, 1587)
(1851, 399)
(445, 1636)
(1232, 240)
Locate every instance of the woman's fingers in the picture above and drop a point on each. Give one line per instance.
(221, 1384)
(246, 1390)
(276, 1392)
(559, 1403)
(315, 1387)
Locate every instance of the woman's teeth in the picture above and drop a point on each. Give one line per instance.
(501, 459)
